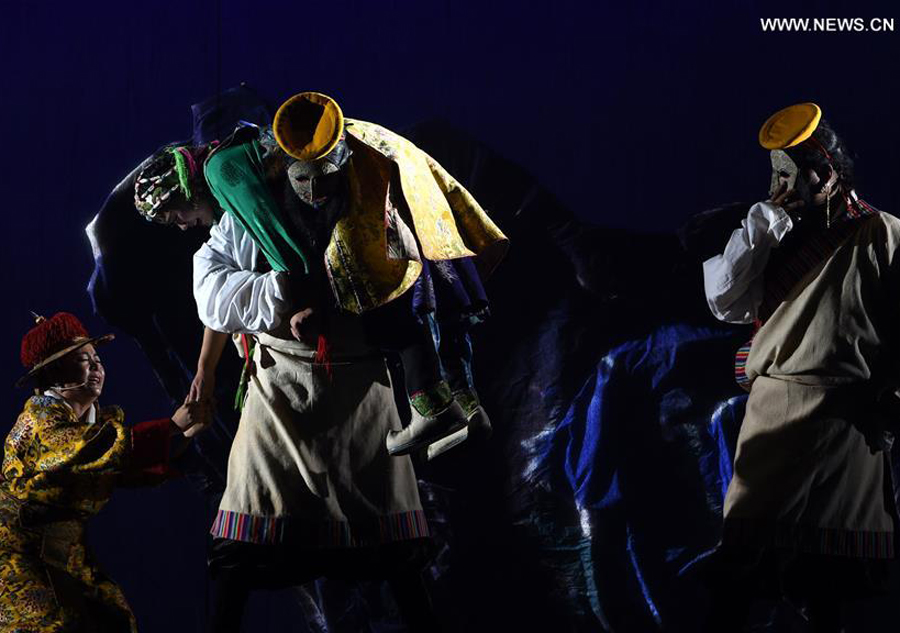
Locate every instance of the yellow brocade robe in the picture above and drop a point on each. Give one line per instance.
(58, 471)
(372, 257)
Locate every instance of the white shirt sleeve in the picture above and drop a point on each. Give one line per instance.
(733, 281)
(231, 295)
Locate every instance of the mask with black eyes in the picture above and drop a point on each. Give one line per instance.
(318, 181)
(784, 170)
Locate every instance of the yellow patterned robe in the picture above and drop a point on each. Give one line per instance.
(58, 471)
(371, 258)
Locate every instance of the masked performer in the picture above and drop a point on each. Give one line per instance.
(392, 227)
(62, 459)
(311, 238)
(809, 514)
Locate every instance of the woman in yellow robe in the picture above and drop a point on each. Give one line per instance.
(62, 459)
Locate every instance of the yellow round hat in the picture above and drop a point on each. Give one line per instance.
(790, 126)
(308, 125)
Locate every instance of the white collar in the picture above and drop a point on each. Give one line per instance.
(90, 417)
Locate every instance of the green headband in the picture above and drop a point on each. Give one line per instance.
(183, 169)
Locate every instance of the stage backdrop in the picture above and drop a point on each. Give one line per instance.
(633, 114)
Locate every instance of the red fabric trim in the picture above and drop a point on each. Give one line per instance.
(246, 345)
(248, 360)
(150, 446)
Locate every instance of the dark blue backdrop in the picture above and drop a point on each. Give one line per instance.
(634, 114)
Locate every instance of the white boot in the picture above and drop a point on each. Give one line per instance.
(478, 428)
(423, 431)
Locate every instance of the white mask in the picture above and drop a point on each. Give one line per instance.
(313, 181)
(782, 167)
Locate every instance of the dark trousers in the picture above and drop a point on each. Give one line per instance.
(239, 568)
(430, 350)
(817, 584)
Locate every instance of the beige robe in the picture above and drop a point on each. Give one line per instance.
(804, 475)
(308, 464)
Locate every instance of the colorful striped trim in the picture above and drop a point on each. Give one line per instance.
(859, 208)
(809, 539)
(740, 364)
(740, 361)
(247, 527)
(272, 530)
(856, 543)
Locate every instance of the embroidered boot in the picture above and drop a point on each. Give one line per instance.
(478, 425)
(435, 415)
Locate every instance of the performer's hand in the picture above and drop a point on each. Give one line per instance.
(786, 199)
(193, 417)
(304, 325)
(202, 387)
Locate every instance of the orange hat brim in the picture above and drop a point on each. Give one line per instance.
(308, 125)
(790, 126)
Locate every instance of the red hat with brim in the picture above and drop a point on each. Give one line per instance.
(51, 339)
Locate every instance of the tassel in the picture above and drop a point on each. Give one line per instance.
(240, 396)
(323, 355)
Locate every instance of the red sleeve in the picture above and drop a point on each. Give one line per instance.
(150, 445)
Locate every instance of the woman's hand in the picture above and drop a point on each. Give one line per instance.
(192, 418)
